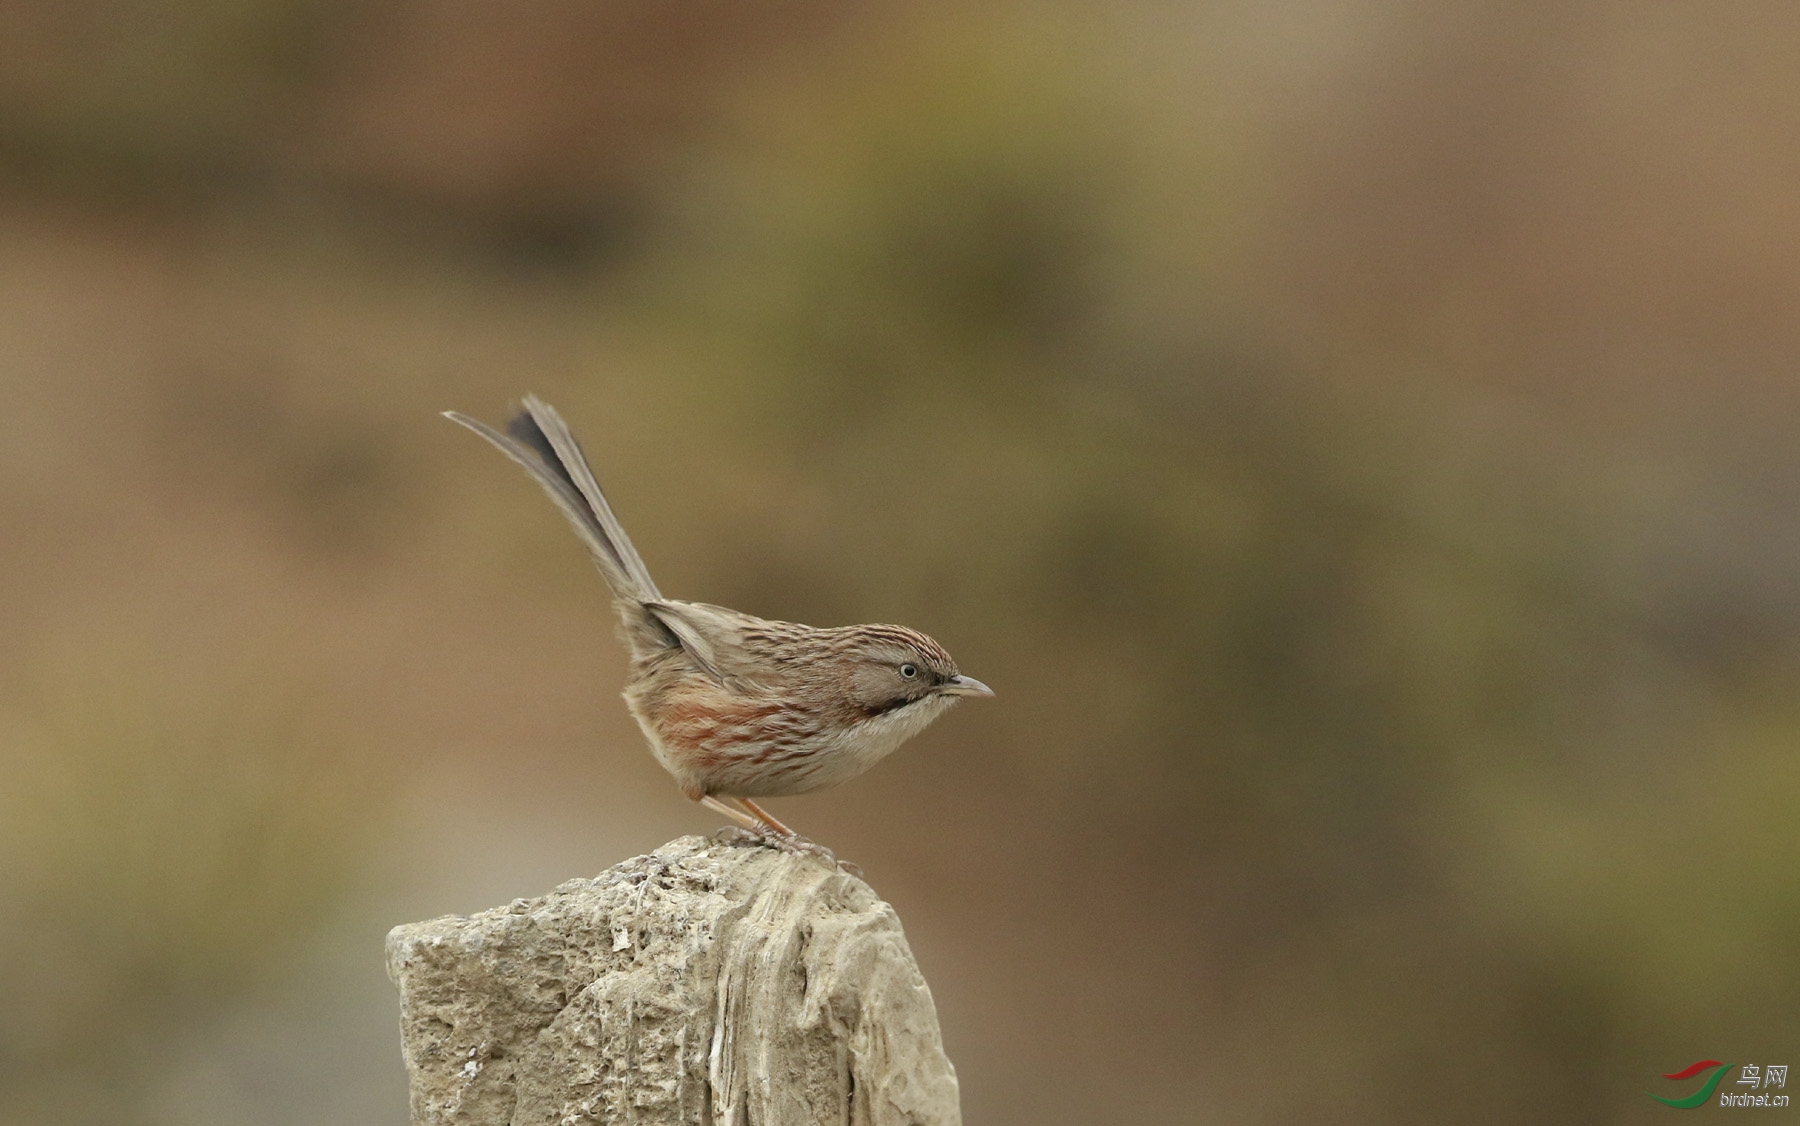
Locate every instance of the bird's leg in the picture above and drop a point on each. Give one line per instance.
(785, 839)
(738, 816)
(753, 820)
(765, 817)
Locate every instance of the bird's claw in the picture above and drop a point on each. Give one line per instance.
(792, 843)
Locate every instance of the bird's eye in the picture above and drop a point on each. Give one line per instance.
(909, 670)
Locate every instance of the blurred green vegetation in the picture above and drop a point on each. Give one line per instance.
(1390, 597)
(168, 102)
(172, 827)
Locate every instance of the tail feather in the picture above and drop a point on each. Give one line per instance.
(541, 443)
(574, 464)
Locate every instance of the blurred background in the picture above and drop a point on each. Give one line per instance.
(1356, 439)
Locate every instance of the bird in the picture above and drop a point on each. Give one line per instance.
(737, 707)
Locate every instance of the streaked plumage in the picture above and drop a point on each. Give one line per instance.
(733, 705)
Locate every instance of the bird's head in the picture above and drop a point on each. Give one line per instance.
(892, 668)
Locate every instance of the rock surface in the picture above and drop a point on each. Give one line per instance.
(706, 982)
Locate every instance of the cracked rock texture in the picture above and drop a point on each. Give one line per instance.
(707, 982)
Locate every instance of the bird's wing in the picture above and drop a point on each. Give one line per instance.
(695, 629)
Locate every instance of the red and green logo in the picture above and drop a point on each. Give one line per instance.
(1706, 1088)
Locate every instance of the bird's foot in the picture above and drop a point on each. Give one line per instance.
(792, 843)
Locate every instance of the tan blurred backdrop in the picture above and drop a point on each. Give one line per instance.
(1357, 440)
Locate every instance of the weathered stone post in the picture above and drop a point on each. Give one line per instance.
(707, 982)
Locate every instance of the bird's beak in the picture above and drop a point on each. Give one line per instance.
(965, 686)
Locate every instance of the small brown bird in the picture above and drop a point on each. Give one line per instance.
(735, 706)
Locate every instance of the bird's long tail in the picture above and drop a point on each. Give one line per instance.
(538, 439)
